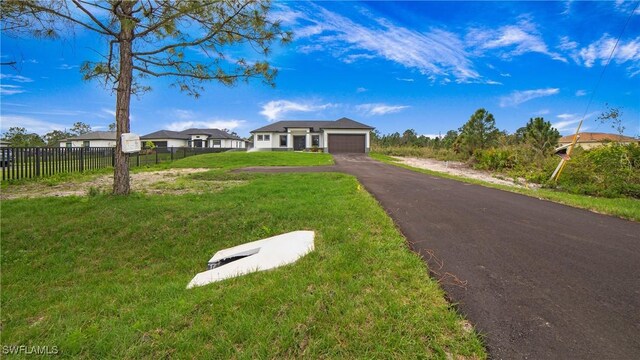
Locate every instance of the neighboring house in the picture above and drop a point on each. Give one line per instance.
(590, 140)
(91, 139)
(4, 143)
(339, 136)
(196, 138)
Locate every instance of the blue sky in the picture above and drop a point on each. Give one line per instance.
(392, 65)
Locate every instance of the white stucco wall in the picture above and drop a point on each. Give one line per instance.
(92, 143)
(273, 142)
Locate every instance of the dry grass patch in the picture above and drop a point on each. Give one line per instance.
(172, 181)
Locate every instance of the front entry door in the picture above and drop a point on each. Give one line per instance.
(299, 143)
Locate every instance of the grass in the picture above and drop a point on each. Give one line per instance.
(626, 208)
(105, 276)
(235, 160)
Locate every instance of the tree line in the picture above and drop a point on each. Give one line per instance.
(479, 133)
(20, 137)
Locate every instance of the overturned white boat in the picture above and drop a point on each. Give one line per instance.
(256, 256)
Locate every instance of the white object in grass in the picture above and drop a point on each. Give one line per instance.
(256, 256)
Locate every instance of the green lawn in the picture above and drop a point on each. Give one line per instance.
(626, 208)
(105, 277)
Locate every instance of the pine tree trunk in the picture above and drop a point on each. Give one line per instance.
(121, 184)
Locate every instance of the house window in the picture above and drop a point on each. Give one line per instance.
(68, 144)
(197, 143)
(86, 143)
(267, 137)
(315, 140)
(283, 140)
(217, 142)
(260, 137)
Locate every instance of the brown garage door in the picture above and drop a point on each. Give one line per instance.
(344, 143)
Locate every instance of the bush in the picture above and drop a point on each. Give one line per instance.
(610, 171)
(494, 159)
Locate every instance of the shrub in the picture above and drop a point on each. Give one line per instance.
(611, 171)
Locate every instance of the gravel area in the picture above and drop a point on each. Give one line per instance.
(460, 169)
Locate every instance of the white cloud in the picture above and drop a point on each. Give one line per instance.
(492, 82)
(519, 97)
(379, 109)
(10, 89)
(351, 58)
(567, 44)
(517, 39)
(600, 50)
(16, 78)
(361, 90)
(66, 67)
(276, 109)
(569, 122)
(432, 136)
(581, 92)
(31, 124)
(435, 53)
(405, 79)
(190, 119)
(542, 112)
(505, 74)
(206, 124)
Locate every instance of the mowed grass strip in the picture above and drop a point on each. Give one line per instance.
(105, 277)
(626, 208)
(239, 159)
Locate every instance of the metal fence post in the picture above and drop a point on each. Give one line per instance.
(171, 149)
(37, 161)
(82, 159)
(156, 151)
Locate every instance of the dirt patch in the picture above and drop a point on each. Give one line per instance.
(462, 170)
(174, 181)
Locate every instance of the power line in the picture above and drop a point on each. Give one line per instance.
(609, 60)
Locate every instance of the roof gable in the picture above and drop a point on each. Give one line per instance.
(597, 137)
(313, 125)
(94, 135)
(186, 134)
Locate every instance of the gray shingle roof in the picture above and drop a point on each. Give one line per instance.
(165, 134)
(186, 134)
(95, 135)
(314, 125)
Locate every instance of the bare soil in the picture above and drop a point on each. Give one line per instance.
(174, 181)
(462, 170)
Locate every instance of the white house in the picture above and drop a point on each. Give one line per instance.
(340, 136)
(92, 139)
(197, 138)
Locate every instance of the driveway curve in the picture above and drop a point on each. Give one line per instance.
(538, 279)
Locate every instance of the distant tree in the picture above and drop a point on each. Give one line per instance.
(409, 137)
(18, 136)
(112, 126)
(479, 132)
(449, 138)
(54, 137)
(613, 117)
(80, 128)
(540, 135)
(375, 138)
(161, 38)
(231, 132)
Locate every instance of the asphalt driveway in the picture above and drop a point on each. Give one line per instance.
(538, 279)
